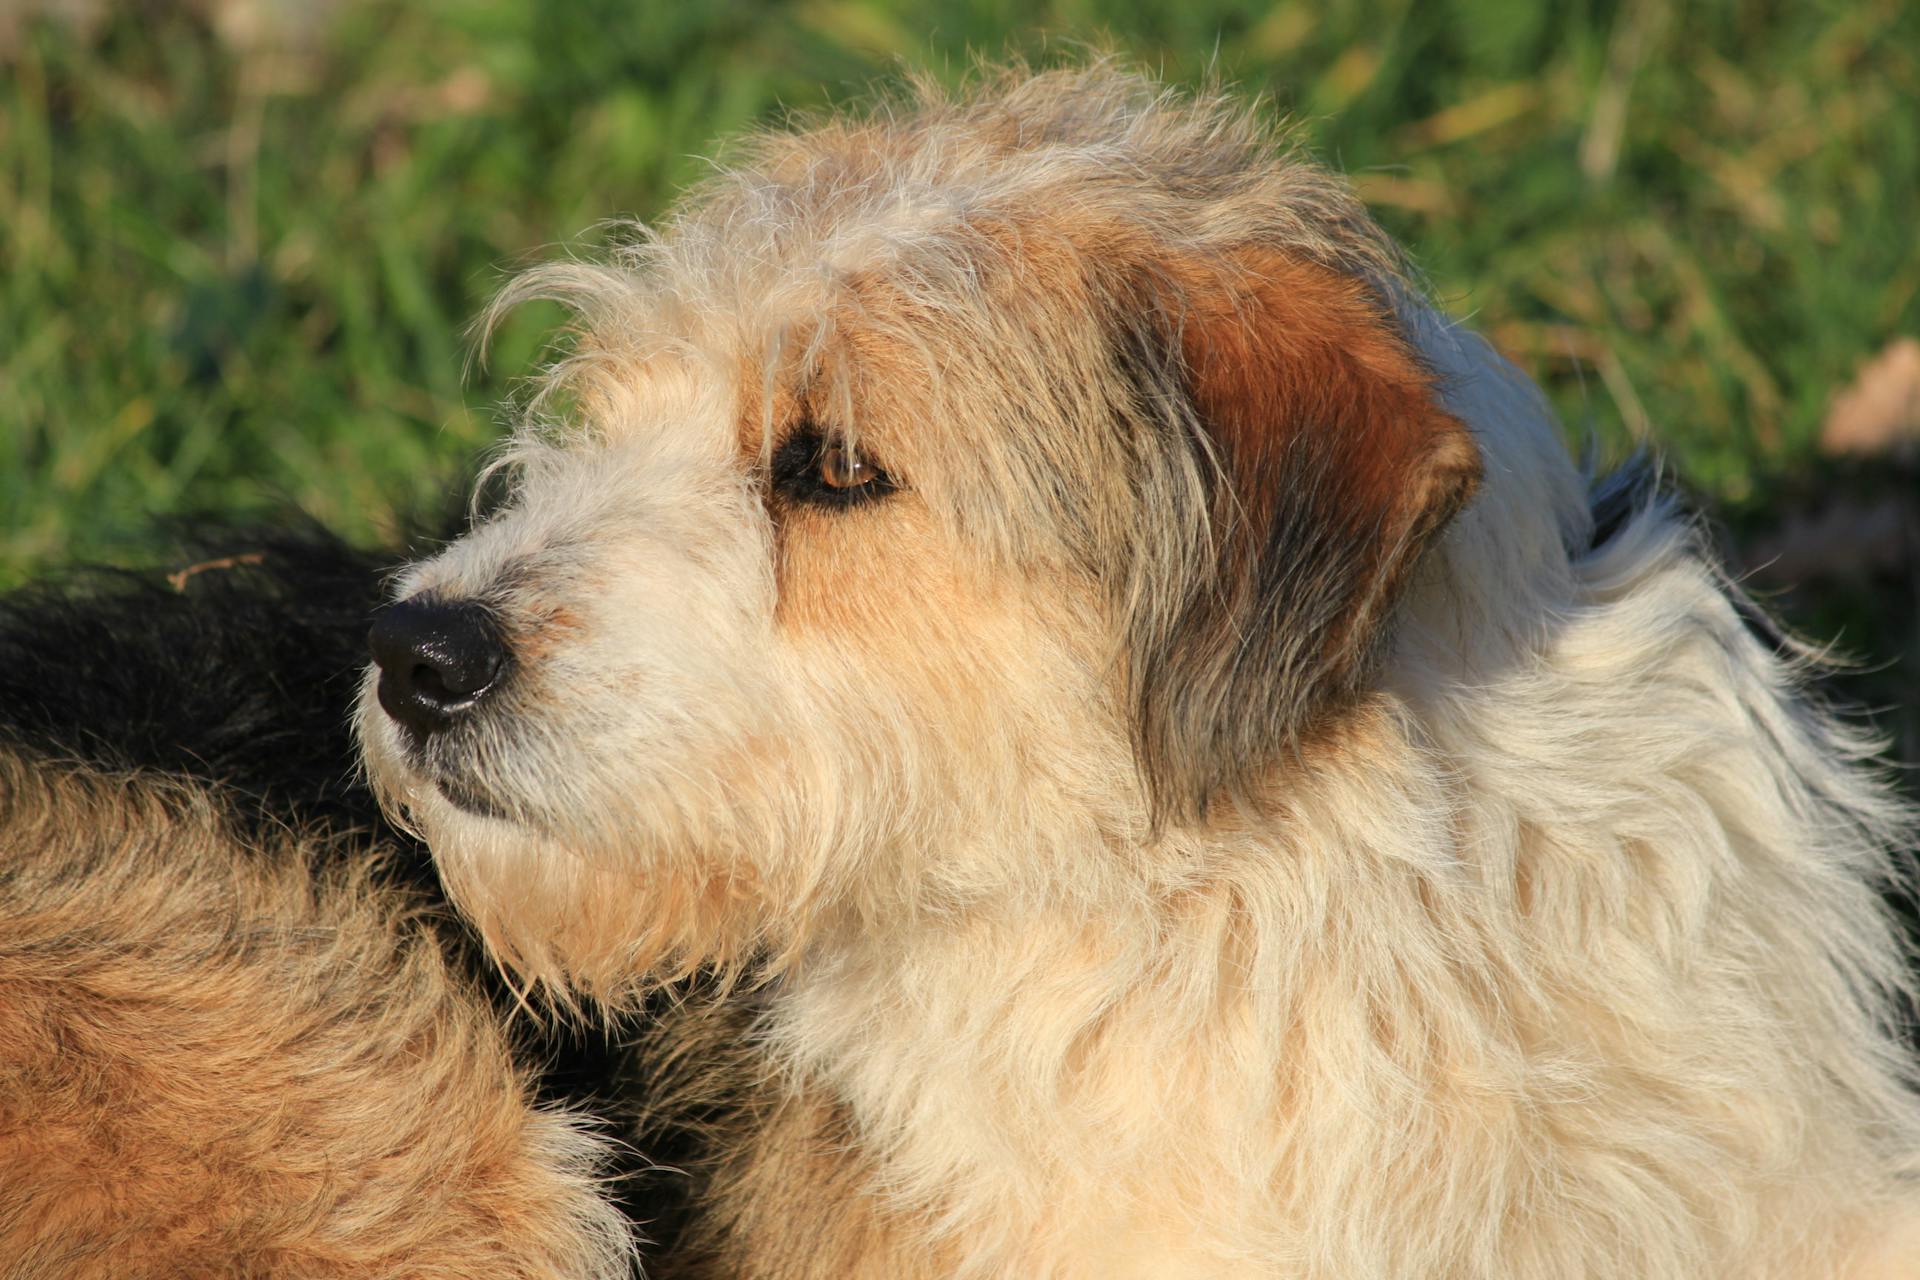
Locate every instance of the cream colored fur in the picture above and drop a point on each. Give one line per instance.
(1557, 953)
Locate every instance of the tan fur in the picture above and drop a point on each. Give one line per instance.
(797, 1201)
(1220, 816)
(218, 1060)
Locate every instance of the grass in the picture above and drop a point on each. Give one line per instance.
(235, 271)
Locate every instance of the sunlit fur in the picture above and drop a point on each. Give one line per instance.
(1224, 815)
(223, 1059)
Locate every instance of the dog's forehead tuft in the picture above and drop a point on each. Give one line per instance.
(1104, 157)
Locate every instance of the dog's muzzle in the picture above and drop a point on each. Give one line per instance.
(438, 661)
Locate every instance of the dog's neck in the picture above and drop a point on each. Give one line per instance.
(1095, 1076)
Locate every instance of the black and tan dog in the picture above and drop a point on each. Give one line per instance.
(1088, 730)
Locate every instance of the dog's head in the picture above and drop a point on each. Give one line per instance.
(940, 506)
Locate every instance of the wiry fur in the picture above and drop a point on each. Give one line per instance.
(1224, 814)
(226, 1062)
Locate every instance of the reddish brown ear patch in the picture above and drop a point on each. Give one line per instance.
(1277, 349)
(1333, 465)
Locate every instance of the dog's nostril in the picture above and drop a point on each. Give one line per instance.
(428, 682)
(437, 660)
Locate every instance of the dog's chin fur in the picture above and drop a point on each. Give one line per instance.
(1231, 812)
(560, 907)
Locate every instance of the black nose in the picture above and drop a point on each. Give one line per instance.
(438, 661)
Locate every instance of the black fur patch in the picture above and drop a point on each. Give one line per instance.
(242, 675)
(1619, 495)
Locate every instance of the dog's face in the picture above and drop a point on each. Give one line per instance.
(935, 510)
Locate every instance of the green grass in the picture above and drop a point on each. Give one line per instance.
(231, 278)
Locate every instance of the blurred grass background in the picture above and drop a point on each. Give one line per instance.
(240, 239)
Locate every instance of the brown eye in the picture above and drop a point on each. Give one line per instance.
(812, 470)
(841, 468)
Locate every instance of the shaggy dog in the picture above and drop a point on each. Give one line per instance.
(1193, 782)
(1064, 724)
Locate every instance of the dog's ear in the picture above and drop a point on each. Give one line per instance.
(1329, 465)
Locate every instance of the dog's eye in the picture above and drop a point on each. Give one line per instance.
(809, 468)
(842, 468)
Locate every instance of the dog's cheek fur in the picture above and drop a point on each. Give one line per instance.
(964, 704)
(1331, 466)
